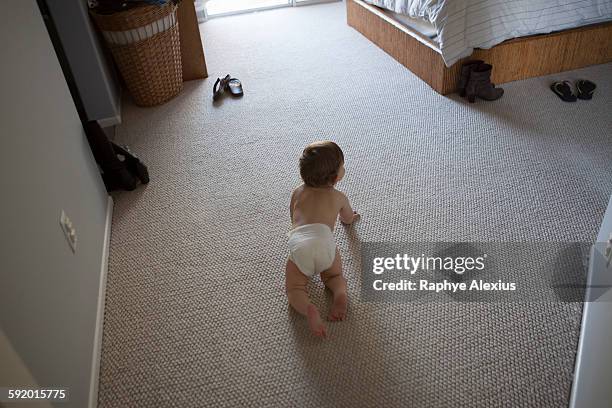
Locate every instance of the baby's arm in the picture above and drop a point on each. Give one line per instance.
(291, 205)
(347, 215)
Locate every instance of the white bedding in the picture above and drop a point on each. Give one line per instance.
(417, 24)
(463, 25)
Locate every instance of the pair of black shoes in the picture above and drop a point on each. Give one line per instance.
(229, 84)
(126, 172)
(121, 169)
(475, 81)
(565, 90)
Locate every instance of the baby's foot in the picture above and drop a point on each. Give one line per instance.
(338, 310)
(315, 323)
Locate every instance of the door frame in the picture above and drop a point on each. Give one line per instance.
(290, 3)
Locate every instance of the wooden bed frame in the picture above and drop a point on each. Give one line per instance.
(514, 59)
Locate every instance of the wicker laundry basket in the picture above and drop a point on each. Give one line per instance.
(145, 45)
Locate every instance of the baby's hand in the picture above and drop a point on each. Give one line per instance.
(355, 218)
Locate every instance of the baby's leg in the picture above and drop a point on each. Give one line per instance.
(295, 286)
(333, 279)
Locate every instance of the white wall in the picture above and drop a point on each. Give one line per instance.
(14, 373)
(48, 295)
(91, 70)
(593, 372)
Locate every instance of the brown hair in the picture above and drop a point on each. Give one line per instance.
(320, 163)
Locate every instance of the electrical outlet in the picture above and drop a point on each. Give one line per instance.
(69, 231)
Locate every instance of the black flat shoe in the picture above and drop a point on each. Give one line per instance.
(220, 86)
(585, 89)
(235, 87)
(563, 89)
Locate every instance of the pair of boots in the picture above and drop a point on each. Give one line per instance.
(475, 81)
(132, 171)
(120, 168)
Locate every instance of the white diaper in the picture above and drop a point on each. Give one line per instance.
(312, 248)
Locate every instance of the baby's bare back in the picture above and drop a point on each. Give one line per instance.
(311, 205)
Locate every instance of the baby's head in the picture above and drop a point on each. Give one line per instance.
(322, 164)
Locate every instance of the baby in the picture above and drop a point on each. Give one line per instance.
(315, 205)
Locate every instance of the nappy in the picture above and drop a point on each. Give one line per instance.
(312, 248)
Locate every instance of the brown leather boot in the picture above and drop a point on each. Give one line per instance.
(479, 85)
(464, 77)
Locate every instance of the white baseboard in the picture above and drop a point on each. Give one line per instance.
(112, 121)
(95, 367)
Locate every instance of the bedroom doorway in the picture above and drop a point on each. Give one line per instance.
(220, 8)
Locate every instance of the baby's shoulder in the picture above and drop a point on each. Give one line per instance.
(296, 191)
(339, 196)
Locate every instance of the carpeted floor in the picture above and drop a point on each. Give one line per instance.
(195, 310)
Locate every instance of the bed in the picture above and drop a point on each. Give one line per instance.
(520, 38)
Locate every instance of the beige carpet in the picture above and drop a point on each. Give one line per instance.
(195, 310)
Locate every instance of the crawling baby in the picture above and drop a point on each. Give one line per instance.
(314, 207)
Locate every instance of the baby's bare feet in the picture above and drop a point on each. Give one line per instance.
(338, 310)
(315, 323)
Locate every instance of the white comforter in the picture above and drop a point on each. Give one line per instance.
(463, 25)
